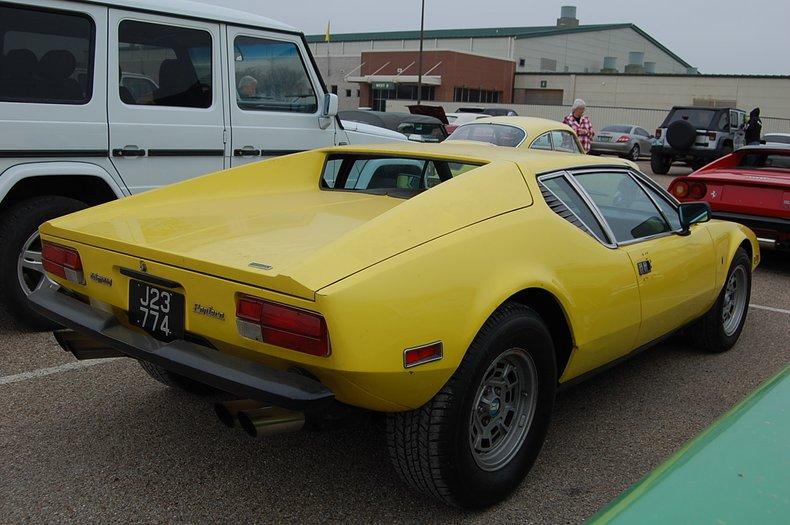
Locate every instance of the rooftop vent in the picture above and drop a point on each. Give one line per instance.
(609, 65)
(567, 17)
(650, 68)
(636, 60)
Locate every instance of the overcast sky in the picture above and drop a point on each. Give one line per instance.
(717, 36)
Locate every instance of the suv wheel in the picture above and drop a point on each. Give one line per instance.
(21, 271)
(473, 443)
(660, 164)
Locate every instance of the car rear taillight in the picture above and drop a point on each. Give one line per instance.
(62, 262)
(284, 326)
(680, 190)
(697, 190)
(712, 135)
(624, 138)
(658, 133)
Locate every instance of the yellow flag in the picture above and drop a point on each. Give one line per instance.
(326, 36)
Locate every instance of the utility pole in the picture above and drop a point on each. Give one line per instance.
(419, 60)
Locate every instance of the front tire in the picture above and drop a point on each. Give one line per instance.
(473, 443)
(21, 272)
(720, 328)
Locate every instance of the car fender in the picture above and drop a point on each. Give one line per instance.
(727, 238)
(10, 177)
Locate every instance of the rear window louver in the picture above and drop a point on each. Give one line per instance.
(560, 209)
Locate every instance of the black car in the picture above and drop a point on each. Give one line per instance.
(420, 128)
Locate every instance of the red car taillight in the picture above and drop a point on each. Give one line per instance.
(680, 190)
(658, 133)
(697, 190)
(281, 325)
(63, 262)
(624, 138)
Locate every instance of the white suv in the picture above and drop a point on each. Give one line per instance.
(102, 99)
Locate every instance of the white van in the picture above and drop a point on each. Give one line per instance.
(102, 99)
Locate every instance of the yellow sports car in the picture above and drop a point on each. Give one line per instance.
(452, 287)
(520, 132)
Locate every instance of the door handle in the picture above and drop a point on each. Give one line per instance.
(128, 151)
(246, 151)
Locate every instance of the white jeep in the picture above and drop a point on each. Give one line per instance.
(103, 99)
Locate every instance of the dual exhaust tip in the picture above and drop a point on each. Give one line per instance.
(257, 419)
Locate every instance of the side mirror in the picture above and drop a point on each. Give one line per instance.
(693, 213)
(330, 105)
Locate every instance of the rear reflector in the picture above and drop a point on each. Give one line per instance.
(282, 326)
(63, 262)
(697, 190)
(422, 354)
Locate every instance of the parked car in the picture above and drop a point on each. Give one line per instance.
(456, 119)
(102, 100)
(625, 140)
(521, 132)
(453, 287)
(776, 138)
(750, 186)
(494, 112)
(736, 471)
(696, 136)
(419, 128)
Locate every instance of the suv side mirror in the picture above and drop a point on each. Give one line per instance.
(692, 213)
(330, 104)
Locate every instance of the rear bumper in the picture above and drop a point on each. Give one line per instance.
(620, 148)
(707, 154)
(241, 377)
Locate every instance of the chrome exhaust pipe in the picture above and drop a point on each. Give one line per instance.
(270, 420)
(228, 412)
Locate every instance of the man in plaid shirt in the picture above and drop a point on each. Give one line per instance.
(580, 124)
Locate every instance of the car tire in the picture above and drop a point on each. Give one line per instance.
(173, 380)
(432, 448)
(18, 234)
(660, 164)
(633, 154)
(718, 330)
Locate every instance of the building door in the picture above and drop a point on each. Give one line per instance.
(548, 97)
(274, 97)
(172, 130)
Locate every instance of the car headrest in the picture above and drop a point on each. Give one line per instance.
(57, 64)
(20, 62)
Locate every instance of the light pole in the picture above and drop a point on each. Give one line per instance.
(419, 59)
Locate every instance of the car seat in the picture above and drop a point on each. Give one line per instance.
(55, 69)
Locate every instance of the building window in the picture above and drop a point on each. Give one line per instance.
(461, 94)
(348, 93)
(548, 64)
(357, 93)
(334, 90)
(522, 62)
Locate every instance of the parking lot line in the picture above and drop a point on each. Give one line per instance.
(41, 372)
(769, 308)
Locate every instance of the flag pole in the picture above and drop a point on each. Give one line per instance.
(419, 59)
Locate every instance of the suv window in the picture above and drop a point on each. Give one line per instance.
(623, 204)
(397, 176)
(45, 56)
(270, 76)
(174, 61)
(700, 118)
(564, 141)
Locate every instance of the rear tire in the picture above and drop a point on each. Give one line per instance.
(22, 274)
(718, 330)
(660, 164)
(633, 154)
(473, 443)
(174, 380)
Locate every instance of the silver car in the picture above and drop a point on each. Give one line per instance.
(622, 139)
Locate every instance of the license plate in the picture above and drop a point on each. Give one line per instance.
(158, 311)
(604, 139)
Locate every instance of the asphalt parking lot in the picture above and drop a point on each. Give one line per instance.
(104, 443)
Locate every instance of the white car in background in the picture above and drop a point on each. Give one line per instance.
(777, 138)
(457, 119)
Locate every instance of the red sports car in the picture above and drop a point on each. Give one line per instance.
(750, 186)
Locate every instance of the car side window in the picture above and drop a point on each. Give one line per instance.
(563, 190)
(624, 205)
(45, 57)
(564, 141)
(270, 76)
(669, 211)
(641, 132)
(542, 142)
(162, 65)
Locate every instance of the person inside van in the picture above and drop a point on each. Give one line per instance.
(247, 88)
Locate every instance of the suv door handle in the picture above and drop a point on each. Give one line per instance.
(128, 151)
(246, 151)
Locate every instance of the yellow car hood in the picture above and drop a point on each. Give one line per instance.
(270, 225)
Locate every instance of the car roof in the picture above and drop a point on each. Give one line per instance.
(199, 10)
(533, 126)
(535, 161)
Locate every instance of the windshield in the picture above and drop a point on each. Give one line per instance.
(765, 160)
(617, 129)
(499, 134)
(402, 177)
(700, 118)
(782, 139)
